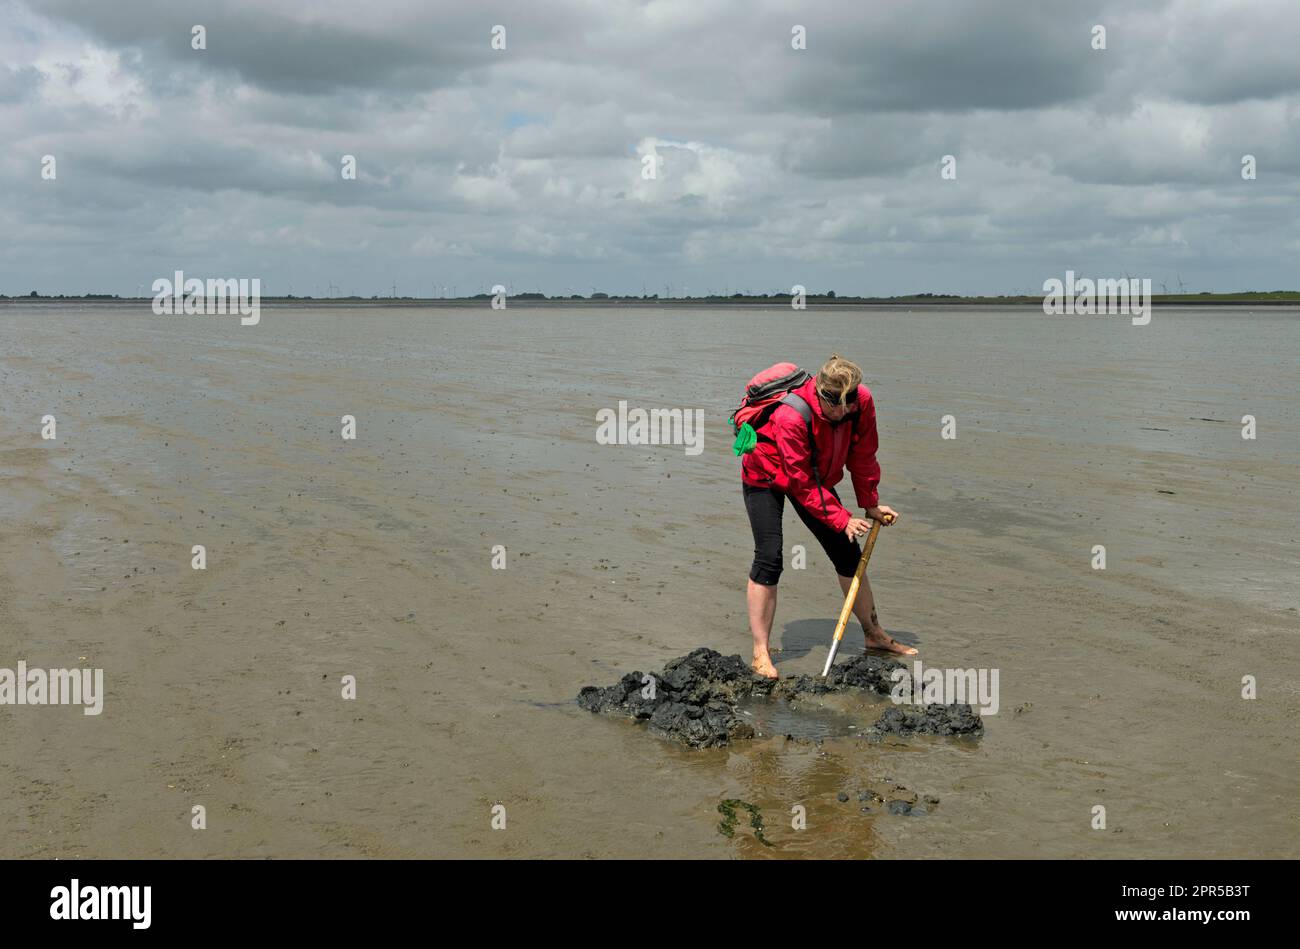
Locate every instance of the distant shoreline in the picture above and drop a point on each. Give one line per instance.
(1273, 298)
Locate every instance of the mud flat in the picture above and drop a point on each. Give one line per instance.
(373, 558)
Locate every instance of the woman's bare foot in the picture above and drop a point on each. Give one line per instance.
(762, 664)
(879, 639)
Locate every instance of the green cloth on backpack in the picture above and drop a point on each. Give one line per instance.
(746, 439)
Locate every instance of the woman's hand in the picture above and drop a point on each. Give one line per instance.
(885, 514)
(856, 527)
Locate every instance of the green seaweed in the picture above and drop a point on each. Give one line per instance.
(728, 825)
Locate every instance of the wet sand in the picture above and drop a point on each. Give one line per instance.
(373, 558)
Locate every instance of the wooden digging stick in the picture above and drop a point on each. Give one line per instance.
(852, 596)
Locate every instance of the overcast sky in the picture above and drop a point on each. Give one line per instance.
(523, 166)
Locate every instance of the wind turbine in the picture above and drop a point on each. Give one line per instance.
(1181, 285)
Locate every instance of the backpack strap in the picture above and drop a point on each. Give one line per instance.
(800, 405)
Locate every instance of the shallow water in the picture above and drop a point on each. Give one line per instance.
(804, 720)
(373, 558)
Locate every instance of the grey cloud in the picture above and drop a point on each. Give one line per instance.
(264, 47)
(19, 84)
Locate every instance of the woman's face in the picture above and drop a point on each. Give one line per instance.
(832, 408)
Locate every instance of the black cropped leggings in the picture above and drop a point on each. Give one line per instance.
(765, 507)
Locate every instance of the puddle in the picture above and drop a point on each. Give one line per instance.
(803, 720)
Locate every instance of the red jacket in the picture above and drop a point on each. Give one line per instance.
(787, 464)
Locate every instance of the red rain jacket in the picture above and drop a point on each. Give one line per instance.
(787, 464)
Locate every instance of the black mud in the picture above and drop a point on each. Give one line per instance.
(887, 797)
(929, 720)
(693, 700)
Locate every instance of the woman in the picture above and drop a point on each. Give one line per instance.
(843, 428)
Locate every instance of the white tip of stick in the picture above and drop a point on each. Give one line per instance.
(830, 659)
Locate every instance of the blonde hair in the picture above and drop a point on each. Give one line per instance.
(839, 375)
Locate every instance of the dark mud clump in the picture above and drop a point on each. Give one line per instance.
(894, 799)
(929, 720)
(693, 700)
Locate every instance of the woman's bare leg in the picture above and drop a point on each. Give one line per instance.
(864, 608)
(762, 610)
